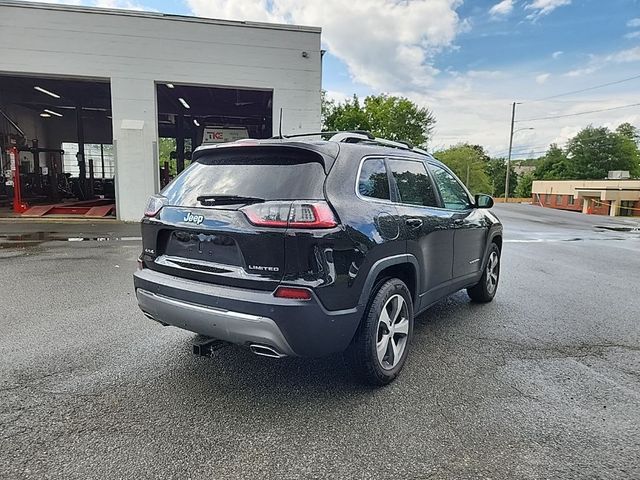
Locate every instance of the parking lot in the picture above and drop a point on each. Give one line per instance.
(542, 383)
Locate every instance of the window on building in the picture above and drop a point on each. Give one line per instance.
(547, 198)
(558, 199)
(626, 208)
(572, 200)
(373, 180)
(414, 184)
(101, 154)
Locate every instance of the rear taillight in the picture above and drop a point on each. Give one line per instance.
(154, 205)
(292, 293)
(298, 214)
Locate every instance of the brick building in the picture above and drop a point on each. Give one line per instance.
(600, 197)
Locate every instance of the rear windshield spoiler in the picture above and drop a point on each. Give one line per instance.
(323, 154)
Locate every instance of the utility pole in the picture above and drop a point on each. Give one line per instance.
(467, 184)
(506, 180)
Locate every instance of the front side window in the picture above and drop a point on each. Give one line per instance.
(373, 181)
(414, 184)
(454, 196)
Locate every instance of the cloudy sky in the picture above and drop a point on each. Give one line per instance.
(467, 60)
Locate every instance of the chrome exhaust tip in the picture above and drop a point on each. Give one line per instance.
(265, 351)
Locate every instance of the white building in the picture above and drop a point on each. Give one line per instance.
(125, 78)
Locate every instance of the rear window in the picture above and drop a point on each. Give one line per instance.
(280, 174)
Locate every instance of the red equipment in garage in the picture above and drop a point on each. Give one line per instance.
(18, 205)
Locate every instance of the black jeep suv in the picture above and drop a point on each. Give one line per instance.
(297, 247)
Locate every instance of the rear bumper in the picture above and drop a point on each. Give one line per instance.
(244, 317)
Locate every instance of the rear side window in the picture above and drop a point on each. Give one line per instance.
(414, 184)
(373, 181)
(269, 174)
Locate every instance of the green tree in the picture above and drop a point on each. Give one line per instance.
(629, 131)
(326, 107)
(523, 190)
(496, 169)
(593, 152)
(165, 148)
(553, 166)
(465, 159)
(349, 115)
(391, 117)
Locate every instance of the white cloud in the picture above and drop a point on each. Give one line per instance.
(625, 56)
(386, 44)
(542, 78)
(632, 35)
(581, 72)
(505, 7)
(634, 22)
(470, 110)
(598, 62)
(556, 55)
(485, 74)
(336, 96)
(544, 7)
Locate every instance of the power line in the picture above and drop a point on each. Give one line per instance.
(578, 113)
(573, 92)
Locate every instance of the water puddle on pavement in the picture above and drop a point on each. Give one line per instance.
(25, 240)
(619, 228)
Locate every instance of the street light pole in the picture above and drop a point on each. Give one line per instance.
(506, 181)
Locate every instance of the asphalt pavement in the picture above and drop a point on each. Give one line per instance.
(542, 383)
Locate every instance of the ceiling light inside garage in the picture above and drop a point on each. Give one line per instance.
(53, 113)
(45, 115)
(169, 85)
(196, 122)
(183, 102)
(51, 94)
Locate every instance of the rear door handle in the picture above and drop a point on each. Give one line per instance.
(414, 222)
(458, 221)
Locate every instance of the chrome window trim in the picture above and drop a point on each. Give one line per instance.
(357, 183)
(391, 202)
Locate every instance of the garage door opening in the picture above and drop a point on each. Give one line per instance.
(189, 116)
(56, 147)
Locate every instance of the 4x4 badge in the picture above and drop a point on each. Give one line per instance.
(191, 218)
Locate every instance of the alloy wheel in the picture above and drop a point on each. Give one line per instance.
(492, 272)
(393, 332)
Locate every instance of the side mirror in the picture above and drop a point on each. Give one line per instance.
(484, 201)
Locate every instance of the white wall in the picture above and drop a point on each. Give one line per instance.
(136, 50)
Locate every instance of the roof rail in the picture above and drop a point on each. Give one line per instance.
(348, 137)
(368, 135)
(359, 136)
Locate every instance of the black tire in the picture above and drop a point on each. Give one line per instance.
(363, 352)
(487, 287)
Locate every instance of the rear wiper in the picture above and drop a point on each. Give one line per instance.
(227, 199)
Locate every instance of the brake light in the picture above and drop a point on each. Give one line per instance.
(154, 205)
(298, 214)
(292, 293)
